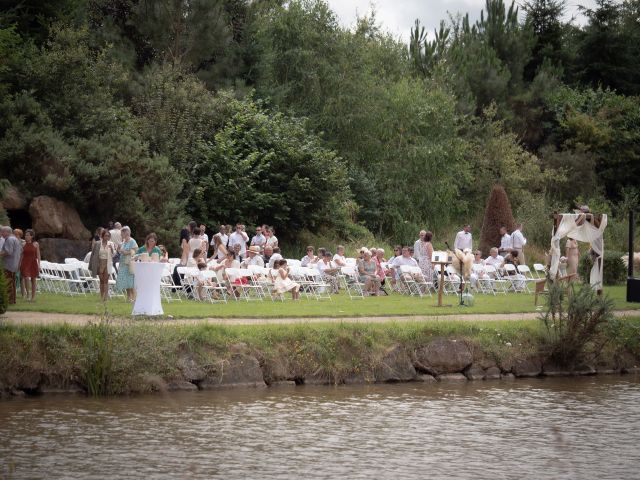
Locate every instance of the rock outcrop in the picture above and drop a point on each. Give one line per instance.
(395, 366)
(57, 249)
(13, 199)
(54, 218)
(241, 370)
(443, 356)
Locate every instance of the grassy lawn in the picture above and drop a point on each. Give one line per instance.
(339, 306)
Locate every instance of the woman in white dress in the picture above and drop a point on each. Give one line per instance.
(426, 251)
(282, 283)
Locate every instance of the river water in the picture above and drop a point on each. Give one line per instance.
(575, 428)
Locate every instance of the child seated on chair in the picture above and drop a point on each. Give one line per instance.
(201, 280)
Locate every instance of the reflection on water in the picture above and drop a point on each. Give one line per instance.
(540, 428)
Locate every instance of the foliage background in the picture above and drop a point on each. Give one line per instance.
(157, 112)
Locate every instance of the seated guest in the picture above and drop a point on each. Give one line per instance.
(405, 259)
(494, 259)
(339, 258)
(282, 283)
(219, 248)
(201, 281)
(237, 249)
(512, 258)
(309, 258)
(276, 256)
(382, 272)
(268, 252)
(320, 254)
(368, 273)
(229, 262)
(164, 254)
(478, 273)
(329, 271)
(253, 257)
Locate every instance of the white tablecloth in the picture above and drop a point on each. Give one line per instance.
(147, 284)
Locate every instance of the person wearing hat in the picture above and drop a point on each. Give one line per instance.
(253, 257)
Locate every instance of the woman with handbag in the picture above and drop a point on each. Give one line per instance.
(127, 249)
(101, 262)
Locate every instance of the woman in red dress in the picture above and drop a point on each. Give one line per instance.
(30, 263)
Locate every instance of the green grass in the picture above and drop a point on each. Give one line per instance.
(339, 306)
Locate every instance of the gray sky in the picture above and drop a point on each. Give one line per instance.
(398, 16)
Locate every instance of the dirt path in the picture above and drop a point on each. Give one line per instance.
(39, 318)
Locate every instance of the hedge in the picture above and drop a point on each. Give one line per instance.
(614, 271)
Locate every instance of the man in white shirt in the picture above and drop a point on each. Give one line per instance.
(518, 242)
(224, 239)
(416, 245)
(204, 237)
(464, 239)
(253, 257)
(506, 244)
(258, 240)
(239, 237)
(494, 259)
(116, 235)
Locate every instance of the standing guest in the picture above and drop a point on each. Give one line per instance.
(195, 242)
(519, 242)
(19, 234)
(116, 238)
(253, 257)
(10, 253)
(239, 237)
(464, 239)
(268, 253)
(101, 263)
(219, 248)
(258, 240)
(426, 252)
(416, 245)
(97, 235)
(573, 256)
(196, 257)
(116, 234)
(223, 239)
(309, 257)
(30, 263)
(276, 256)
(506, 243)
(125, 280)
(282, 283)
(368, 273)
(339, 258)
(272, 240)
(204, 237)
(150, 247)
(185, 237)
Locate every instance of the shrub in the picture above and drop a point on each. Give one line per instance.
(573, 323)
(614, 272)
(497, 213)
(4, 292)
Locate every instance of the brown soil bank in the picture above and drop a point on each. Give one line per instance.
(110, 358)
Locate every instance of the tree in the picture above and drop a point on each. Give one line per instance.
(544, 18)
(497, 214)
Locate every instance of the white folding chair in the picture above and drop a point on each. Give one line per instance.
(540, 271)
(452, 281)
(515, 281)
(352, 283)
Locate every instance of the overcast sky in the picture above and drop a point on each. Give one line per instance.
(398, 16)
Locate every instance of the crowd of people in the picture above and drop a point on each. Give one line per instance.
(114, 252)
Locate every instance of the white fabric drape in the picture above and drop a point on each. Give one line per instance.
(586, 232)
(147, 284)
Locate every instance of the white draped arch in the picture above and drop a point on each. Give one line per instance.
(582, 227)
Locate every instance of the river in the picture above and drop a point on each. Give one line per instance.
(558, 428)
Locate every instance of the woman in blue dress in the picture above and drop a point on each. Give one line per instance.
(127, 250)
